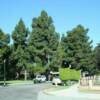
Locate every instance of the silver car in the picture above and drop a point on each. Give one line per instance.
(56, 81)
(40, 79)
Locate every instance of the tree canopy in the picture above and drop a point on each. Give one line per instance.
(43, 39)
(97, 56)
(20, 55)
(41, 49)
(4, 50)
(77, 49)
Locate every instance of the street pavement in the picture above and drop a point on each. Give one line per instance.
(22, 92)
(71, 93)
(39, 92)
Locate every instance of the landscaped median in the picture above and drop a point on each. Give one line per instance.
(17, 82)
(87, 89)
(48, 94)
(95, 89)
(68, 93)
(54, 88)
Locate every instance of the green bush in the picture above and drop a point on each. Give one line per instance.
(69, 74)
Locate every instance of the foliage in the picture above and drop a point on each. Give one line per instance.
(69, 74)
(39, 69)
(57, 59)
(20, 34)
(20, 55)
(42, 50)
(43, 40)
(97, 56)
(4, 50)
(78, 50)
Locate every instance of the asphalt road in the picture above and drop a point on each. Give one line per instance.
(22, 92)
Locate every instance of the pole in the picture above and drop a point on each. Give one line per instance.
(4, 73)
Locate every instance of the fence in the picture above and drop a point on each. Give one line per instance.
(90, 81)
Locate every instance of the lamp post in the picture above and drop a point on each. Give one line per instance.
(4, 73)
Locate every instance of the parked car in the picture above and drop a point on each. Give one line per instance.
(56, 81)
(40, 79)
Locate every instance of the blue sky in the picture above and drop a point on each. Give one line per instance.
(66, 14)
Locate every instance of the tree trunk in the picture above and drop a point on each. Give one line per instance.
(25, 74)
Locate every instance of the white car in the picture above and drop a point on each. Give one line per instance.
(40, 79)
(56, 81)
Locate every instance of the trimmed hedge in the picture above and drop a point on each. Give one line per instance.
(69, 74)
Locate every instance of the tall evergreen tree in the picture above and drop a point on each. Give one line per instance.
(4, 51)
(78, 50)
(97, 56)
(43, 40)
(20, 55)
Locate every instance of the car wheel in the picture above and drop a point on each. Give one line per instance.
(53, 83)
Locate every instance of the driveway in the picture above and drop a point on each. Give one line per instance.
(22, 92)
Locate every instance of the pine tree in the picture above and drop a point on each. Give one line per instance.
(43, 40)
(97, 56)
(4, 51)
(20, 55)
(78, 50)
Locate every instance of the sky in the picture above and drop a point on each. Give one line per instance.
(66, 14)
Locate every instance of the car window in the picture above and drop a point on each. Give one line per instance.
(38, 76)
(56, 77)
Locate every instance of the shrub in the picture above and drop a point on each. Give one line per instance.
(69, 74)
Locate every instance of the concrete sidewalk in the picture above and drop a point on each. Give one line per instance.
(71, 93)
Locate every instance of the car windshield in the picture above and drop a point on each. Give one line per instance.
(42, 76)
(56, 77)
(38, 76)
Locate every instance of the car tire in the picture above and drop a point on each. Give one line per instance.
(53, 83)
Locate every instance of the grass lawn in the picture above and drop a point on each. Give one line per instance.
(15, 82)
